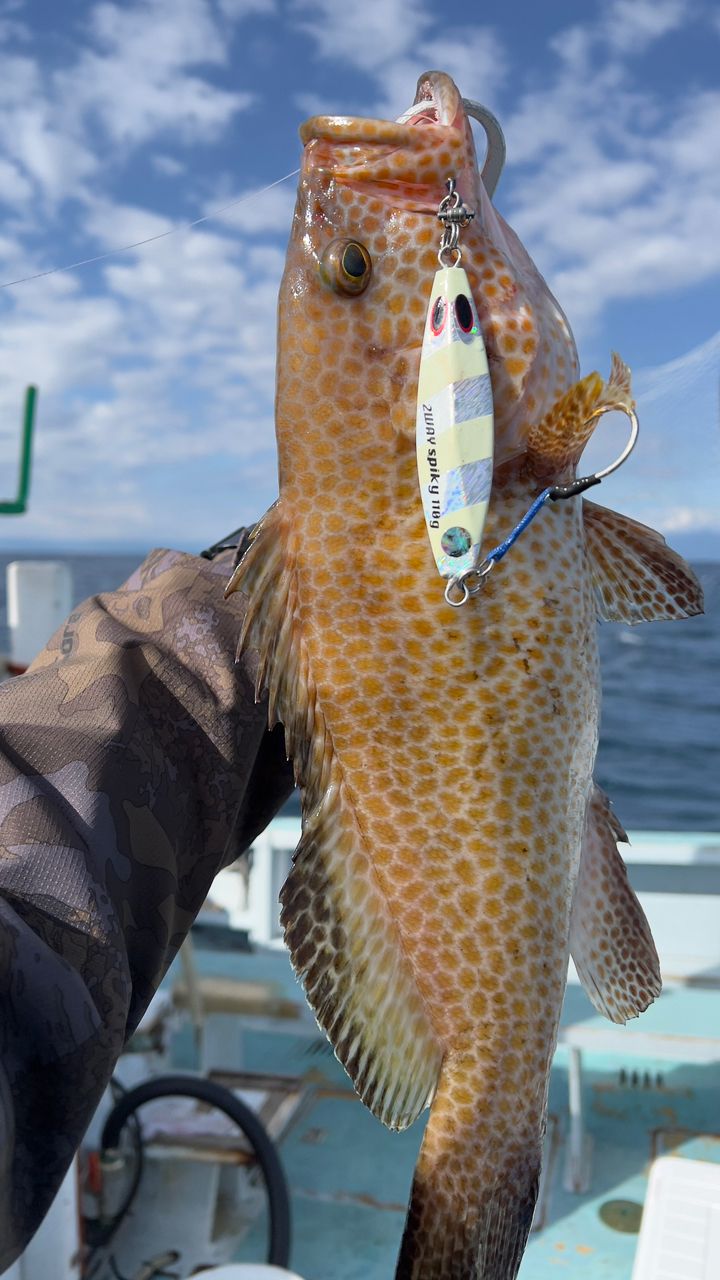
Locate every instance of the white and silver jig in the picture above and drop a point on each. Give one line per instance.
(454, 425)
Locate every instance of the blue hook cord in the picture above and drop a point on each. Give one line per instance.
(502, 548)
(554, 493)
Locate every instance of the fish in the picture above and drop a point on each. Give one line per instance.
(454, 846)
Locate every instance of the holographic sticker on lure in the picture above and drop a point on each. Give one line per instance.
(454, 426)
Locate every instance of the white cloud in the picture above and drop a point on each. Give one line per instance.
(366, 35)
(37, 154)
(15, 189)
(392, 41)
(672, 479)
(113, 224)
(316, 104)
(168, 165)
(19, 79)
(236, 9)
(256, 215)
(473, 57)
(58, 163)
(172, 366)
(690, 519)
(615, 190)
(156, 368)
(10, 247)
(635, 24)
(137, 78)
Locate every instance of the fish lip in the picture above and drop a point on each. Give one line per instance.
(437, 104)
(443, 96)
(356, 130)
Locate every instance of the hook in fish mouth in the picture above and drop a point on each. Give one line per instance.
(437, 104)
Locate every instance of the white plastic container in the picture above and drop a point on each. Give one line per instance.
(39, 599)
(55, 1251)
(248, 1271)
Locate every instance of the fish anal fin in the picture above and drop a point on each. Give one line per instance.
(610, 939)
(637, 577)
(343, 942)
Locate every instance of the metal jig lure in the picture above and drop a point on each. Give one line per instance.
(454, 423)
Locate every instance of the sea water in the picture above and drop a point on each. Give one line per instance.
(659, 756)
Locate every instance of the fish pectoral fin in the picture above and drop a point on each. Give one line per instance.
(637, 577)
(346, 949)
(343, 941)
(556, 442)
(610, 938)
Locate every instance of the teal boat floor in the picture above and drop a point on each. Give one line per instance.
(350, 1178)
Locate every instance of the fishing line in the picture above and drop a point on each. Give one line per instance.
(492, 168)
(160, 235)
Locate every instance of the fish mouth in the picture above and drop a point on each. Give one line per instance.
(437, 104)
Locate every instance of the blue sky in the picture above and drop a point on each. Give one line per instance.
(156, 366)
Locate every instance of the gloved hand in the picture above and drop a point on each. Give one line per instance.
(134, 764)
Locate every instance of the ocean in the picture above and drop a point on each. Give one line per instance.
(659, 755)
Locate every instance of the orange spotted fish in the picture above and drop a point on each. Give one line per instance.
(454, 849)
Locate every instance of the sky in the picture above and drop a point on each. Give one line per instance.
(122, 121)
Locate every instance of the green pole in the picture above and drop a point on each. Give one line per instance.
(19, 505)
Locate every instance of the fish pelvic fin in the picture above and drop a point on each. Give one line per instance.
(475, 1184)
(610, 938)
(343, 942)
(555, 444)
(636, 576)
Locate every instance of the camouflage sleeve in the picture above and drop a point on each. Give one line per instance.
(134, 764)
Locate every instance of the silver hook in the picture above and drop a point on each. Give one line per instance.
(575, 487)
(634, 431)
(496, 148)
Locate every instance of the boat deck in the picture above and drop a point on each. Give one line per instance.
(350, 1178)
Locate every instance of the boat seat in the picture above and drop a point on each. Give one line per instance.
(231, 995)
(223, 1009)
(680, 1231)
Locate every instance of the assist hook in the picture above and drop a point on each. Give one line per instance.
(586, 482)
(460, 588)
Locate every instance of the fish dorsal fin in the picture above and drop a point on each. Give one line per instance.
(610, 939)
(636, 575)
(343, 942)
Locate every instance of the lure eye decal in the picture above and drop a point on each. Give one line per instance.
(438, 316)
(464, 314)
(346, 267)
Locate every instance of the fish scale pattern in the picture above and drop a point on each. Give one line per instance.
(444, 756)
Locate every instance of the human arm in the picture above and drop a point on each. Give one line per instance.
(134, 764)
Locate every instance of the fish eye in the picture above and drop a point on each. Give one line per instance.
(346, 266)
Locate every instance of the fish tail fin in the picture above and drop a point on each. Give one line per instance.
(475, 1185)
